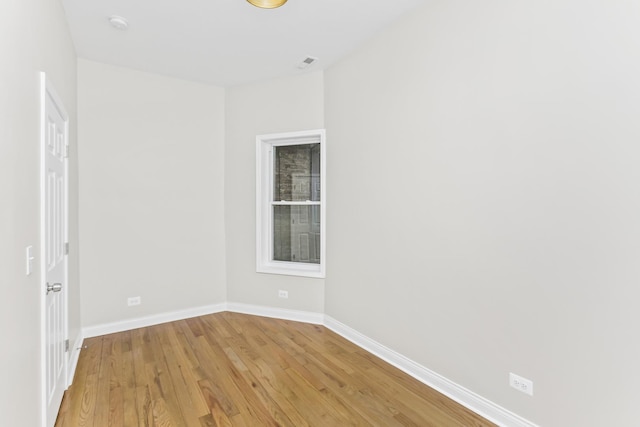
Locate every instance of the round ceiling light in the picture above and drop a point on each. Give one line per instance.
(267, 4)
(118, 22)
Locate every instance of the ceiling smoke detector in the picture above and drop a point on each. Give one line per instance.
(118, 22)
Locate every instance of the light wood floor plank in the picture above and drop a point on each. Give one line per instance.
(102, 406)
(231, 369)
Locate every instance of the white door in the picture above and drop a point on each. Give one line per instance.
(54, 262)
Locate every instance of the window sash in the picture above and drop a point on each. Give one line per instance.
(296, 234)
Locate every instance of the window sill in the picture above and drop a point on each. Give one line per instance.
(292, 269)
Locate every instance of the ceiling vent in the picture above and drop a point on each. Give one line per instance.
(309, 60)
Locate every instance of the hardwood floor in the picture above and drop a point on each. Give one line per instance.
(230, 369)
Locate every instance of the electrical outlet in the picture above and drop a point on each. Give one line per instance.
(283, 294)
(521, 384)
(134, 301)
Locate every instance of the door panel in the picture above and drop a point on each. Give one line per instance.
(54, 257)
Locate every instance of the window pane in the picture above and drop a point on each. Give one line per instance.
(297, 173)
(296, 234)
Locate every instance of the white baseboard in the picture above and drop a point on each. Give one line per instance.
(278, 313)
(466, 398)
(141, 322)
(74, 355)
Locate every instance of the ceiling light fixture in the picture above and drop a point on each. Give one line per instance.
(267, 4)
(118, 22)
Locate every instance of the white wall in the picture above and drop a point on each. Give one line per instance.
(282, 105)
(151, 193)
(482, 210)
(491, 224)
(33, 37)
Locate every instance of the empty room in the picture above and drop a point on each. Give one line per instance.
(320, 213)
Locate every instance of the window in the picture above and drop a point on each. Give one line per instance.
(290, 209)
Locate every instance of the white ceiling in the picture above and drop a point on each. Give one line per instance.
(226, 42)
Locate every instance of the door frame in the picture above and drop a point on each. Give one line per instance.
(47, 90)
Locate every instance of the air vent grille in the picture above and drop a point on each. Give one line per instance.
(309, 60)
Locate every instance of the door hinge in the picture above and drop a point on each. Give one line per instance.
(66, 151)
(66, 248)
(66, 346)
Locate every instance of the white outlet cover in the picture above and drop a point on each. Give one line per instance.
(134, 301)
(521, 384)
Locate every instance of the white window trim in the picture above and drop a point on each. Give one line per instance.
(264, 196)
